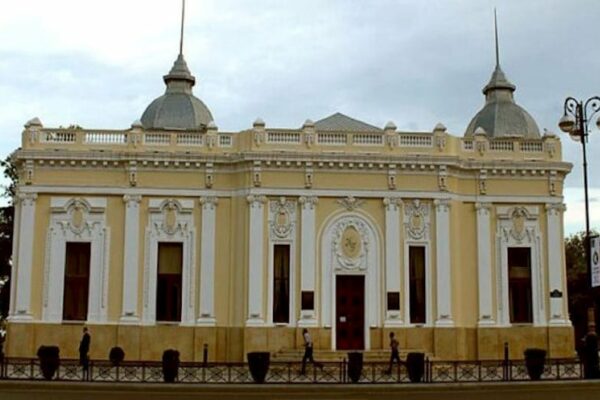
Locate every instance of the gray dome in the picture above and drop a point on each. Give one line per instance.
(178, 108)
(501, 116)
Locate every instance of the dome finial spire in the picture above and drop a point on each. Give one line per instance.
(182, 23)
(496, 32)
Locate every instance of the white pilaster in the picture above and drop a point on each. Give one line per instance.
(207, 262)
(131, 264)
(307, 256)
(443, 263)
(484, 263)
(256, 261)
(392, 256)
(555, 266)
(23, 265)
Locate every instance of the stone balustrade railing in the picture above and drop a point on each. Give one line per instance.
(259, 138)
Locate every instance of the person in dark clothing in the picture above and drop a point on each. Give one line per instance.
(84, 349)
(395, 356)
(308, 352)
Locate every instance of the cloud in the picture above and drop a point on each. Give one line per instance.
(98, 64)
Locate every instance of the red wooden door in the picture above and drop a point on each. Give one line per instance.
(350, 312)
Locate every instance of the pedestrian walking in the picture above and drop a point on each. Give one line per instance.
(308, 352)
(84, 349)
(395, 355)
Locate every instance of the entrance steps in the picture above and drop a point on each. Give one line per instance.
(378, 355)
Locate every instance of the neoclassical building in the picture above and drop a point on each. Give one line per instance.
(173, 233)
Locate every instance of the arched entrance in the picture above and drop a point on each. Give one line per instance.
(350, 280)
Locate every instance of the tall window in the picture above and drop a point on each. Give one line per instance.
(416, 265)
(281, 283)
(77, 281)
(168, 285)
(519, 284)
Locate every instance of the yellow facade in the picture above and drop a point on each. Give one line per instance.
(172, 234)
(440, 167)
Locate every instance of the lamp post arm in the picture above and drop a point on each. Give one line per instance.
(590, 108)
(570, 107)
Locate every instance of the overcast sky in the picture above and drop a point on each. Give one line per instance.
(100, 63)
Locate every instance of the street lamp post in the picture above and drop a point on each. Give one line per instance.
(575, 122)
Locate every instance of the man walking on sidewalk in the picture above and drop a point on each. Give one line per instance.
(308, 352)
(395, 356)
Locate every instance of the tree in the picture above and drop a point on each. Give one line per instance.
(6, 231)
(578, 283)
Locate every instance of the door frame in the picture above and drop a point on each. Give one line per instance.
(369, 267)
(365, 325)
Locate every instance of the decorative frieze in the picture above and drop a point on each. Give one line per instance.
(256, 174)
(482, 181)
(350, 203)
(443, 178)
(308, 175)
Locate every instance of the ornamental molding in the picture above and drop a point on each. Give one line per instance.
(350, 203)
(79, 216)
(350, 244)
(171, 217)
(416, 219)
(518, 224)
(282, 219)
(443, 178)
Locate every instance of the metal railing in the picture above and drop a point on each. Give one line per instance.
(290, 372)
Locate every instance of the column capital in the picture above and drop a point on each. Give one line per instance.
(308, 202)
(28, 199)
(254, 200)
(208, 202)
(483, 208)
(442, 205)
(132, 199)
(555, 208)
(392, 203)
